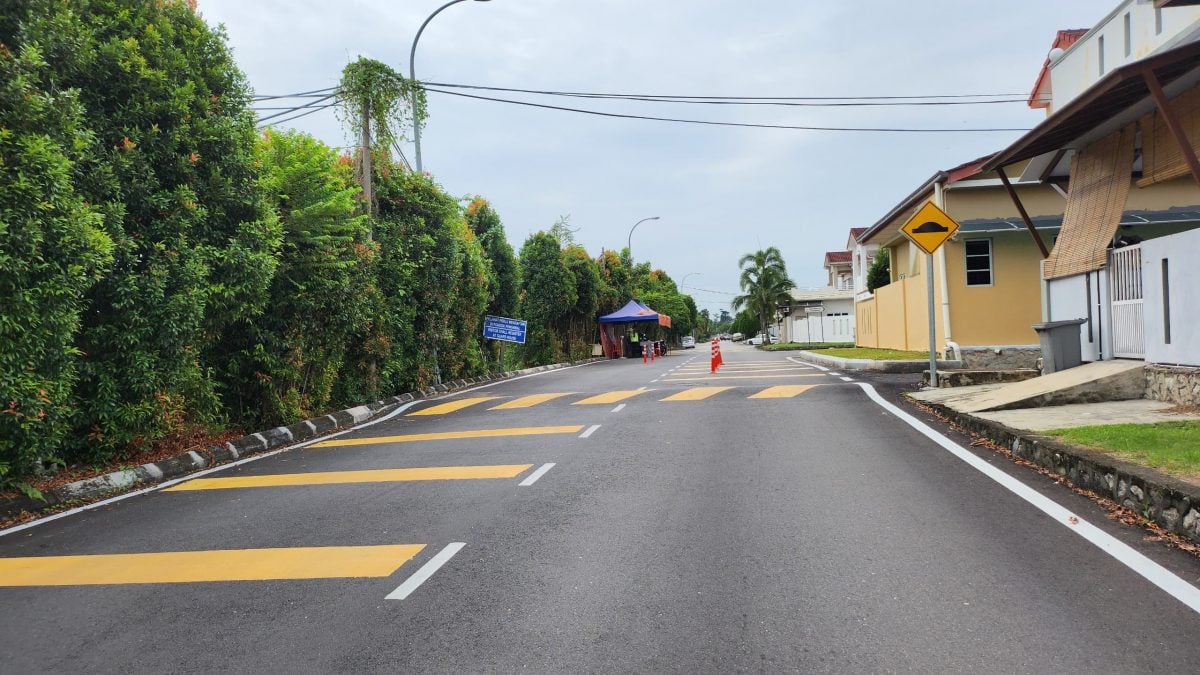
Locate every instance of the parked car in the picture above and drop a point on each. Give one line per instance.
(737, 337)
(756, 340)
(688, 342)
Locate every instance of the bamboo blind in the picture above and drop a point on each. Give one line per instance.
(1162, 159)
(1095, 202)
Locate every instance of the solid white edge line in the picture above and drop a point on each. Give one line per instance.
(806, 363)
(533, 477)
(1123, 553)
(590, 430)
(619, 408)
(255, 458)
(427, 570)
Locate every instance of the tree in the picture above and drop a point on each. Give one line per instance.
(52, 248)
(765, 284)
(283, 366)
(746, 323)
(171, 164)
(503, 273)
(547, 294)
(880, 272)
(581, 318)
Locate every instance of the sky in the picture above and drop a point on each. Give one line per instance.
(720, 192)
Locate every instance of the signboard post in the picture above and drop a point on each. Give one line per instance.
(929, 228)
(503, 329)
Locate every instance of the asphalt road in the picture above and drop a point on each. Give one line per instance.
(811, 531)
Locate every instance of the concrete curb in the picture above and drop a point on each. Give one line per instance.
(258, 442)
(869, 364)
(1165, 500)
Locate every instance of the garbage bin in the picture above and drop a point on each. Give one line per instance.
(1060, 344)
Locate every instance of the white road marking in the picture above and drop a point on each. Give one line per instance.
(619, 408)
(422, 575)
(836, 374)
(533, 477)
(590, 430)
(806, 363)
(1147, 568)
(255, 458)
(847, 379)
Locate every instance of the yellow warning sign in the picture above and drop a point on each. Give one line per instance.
(929, 228)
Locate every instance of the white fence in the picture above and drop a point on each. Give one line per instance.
(823, 328)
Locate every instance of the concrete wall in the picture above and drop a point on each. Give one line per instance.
(1183, 293)
(1068, 300)
(1079, 67)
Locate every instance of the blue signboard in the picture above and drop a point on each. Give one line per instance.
(501, 328)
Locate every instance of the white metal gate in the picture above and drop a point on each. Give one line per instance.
(1125, 275)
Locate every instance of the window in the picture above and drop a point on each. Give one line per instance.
(1128, 35)
(979, 262)
(1158, 20)
(1100, 48)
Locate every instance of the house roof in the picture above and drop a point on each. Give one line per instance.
(925, 193)
(1184, 214)
(855, 233)
(828, 293)
(1116, 100)
(832, 257)
(1063, 40)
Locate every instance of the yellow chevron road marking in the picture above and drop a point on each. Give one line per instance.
(451, 435)
(451, 406)
(261, 564)
(611, 397)
(783, 391)
(529, 401)
(344, 477)
(697, 394)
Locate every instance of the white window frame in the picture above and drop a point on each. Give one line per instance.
(991, 268)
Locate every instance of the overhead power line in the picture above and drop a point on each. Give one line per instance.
(679, 120)
(309, 107)
(301, 94)
(802, 101)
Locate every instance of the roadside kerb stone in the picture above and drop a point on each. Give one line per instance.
(1165, 500)
(871, 364)
(196, 459)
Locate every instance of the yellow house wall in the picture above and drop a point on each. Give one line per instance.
(899, 313)
(865, 322)
(1003, 313)
(1178, 192)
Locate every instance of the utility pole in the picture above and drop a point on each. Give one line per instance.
(367, 167)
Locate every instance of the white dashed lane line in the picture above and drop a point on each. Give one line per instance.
(619, 408)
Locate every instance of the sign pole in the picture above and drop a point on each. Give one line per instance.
(933, 376)
(501, 368)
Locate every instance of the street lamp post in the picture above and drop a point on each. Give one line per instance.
(629, 240)
(412, 75)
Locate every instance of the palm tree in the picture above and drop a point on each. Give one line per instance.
(765, 284)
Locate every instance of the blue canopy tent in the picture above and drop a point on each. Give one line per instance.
(632, 312)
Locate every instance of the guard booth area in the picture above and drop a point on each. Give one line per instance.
(625, 332)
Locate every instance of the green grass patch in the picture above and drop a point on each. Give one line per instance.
(876, 354)
(1173, 447)
(790, 346)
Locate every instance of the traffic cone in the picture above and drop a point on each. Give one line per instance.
(644, 353)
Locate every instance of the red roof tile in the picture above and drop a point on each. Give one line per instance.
(838, 257)
(1063, 40)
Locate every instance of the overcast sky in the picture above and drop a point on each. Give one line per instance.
(720, 192)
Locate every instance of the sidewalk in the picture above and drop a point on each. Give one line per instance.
(1170, 501)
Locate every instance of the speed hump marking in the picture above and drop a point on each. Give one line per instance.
(929, 228)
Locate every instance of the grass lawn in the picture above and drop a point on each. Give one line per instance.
(1173, 447)
(876, 354)
(787, 346)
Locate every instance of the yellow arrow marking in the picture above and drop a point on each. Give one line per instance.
(261, 564)
(342, 477)
(451, 406)
(697, 394)
(783, 391)
(528, 401)
(450, 435)
(611, 397)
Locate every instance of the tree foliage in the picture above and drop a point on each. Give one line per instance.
(765, 285)
(52, 248)
(372, 90)
(879, 274)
